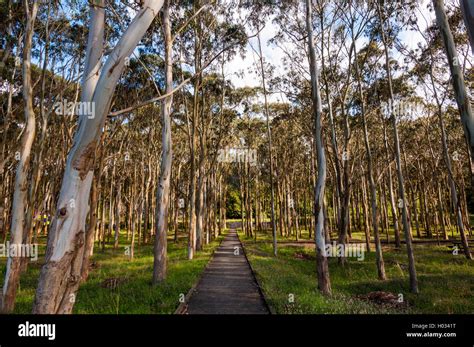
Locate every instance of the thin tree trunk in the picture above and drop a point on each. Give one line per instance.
(162, 197)
(270, 148)
(370, 174)
(401, 187)
(393, 206)
(20, 203)
(324, 283)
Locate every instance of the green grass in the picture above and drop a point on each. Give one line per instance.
(134, 294)
(356, 235)
(446, 282)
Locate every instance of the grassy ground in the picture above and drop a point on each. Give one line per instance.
(446, 281)
(134, 294)
(356, 236)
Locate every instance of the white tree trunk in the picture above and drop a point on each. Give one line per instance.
(270, 148)
(163, 191)
(370, 173)
(464, 106)
(324, 283)
(18, 227)
(401, 184)
(467, 7)
(60, 275)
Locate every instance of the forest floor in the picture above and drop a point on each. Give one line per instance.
(446, 281)
(117, 285)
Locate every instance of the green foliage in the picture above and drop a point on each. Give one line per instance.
(233, 204)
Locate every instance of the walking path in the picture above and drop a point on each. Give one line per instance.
(227, 286)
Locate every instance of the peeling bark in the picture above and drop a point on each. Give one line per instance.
(163, 190)
(59, 278)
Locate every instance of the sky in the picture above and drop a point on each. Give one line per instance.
(274, 55)
(241, 70)
(271, 53)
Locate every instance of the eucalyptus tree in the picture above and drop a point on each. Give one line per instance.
(431, 65)
(457, 76)
(210, 34)
(370, 165)
(270, 146)
(401, 184)
(327, 24)
(259, 12)
(355, 20)
(468, 12)
(59, 279)
(20, 203)
(162, 196)
(324, 283)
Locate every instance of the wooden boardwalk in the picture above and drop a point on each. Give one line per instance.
(227, 286)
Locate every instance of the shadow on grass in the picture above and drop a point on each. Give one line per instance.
(118, 285)
(446, 282)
